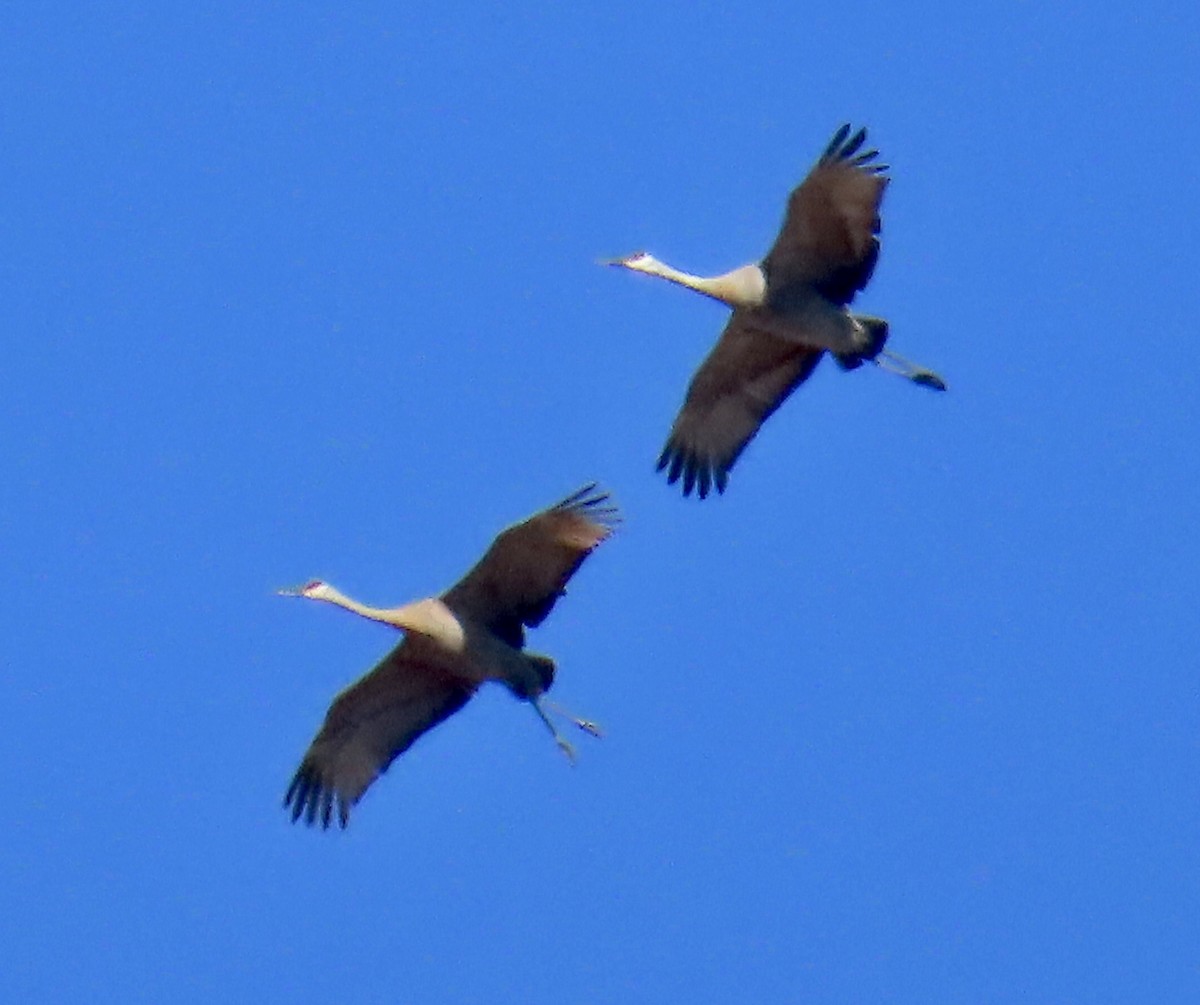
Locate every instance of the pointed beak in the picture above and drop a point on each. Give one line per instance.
(624, 260)
(290, 591)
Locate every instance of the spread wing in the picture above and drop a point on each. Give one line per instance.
(744, 379)
(828, 240)
(526, 569)
(367, 727)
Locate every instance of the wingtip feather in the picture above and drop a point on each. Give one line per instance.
(699, 474)
(307, 797)
(836, 142)
(594, 503)
(852, 145)
(845, 148)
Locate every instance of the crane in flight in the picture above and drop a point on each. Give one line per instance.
(788, 310)
(474, 632)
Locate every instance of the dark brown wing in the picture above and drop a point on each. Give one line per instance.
(367, 727)
(744, 379)
(526, 569)
(828, 240)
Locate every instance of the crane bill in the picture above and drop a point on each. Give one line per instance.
(303, 590)
(622, 260)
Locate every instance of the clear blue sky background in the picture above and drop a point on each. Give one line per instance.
(909, 715)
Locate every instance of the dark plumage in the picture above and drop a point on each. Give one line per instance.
(473, 633)
(788, 310)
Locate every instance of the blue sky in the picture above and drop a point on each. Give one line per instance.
(909, 715)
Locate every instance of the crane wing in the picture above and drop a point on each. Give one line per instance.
(368, 726)
(525, 571)
(745, 378)
(829, 240)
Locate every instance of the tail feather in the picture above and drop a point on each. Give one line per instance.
(877, 334)
(544, 667)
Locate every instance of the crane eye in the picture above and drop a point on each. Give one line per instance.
(312, 584)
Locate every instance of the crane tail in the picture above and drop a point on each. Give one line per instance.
(545, 667)
(877, 335)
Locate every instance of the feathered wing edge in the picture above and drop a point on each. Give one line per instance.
(829, 236)
(740, 385)
(842, 149)
(367, 727)
(525, 570)
(595, 504)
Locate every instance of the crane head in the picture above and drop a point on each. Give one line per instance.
(638, 261)
(314, 589)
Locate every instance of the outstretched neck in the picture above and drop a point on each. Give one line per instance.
(743, 287)
(393, 616)
(425, 617)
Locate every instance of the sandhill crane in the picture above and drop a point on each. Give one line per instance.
(474, 632)
(787, 311)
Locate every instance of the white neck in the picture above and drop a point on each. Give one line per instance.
(385, 616)
(427, 617)
(743, 287)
